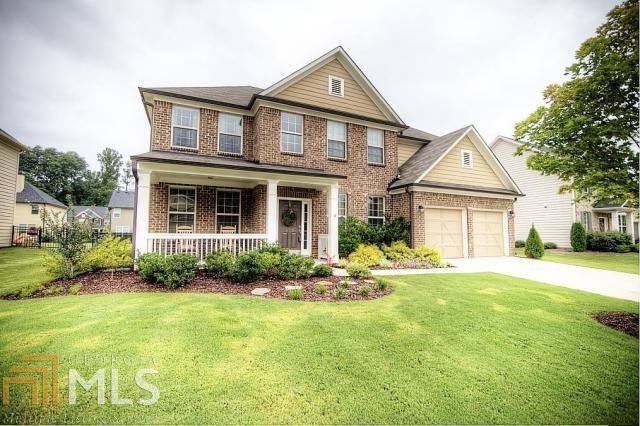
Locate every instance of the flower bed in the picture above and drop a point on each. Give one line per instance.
(395, 256)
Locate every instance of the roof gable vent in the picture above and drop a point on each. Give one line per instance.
(336, 86)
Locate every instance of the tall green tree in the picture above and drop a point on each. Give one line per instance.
(126, 177)
(110, 164)
(587, 133)
(53, 171)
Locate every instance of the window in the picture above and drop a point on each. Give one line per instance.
(35, 209)
(182, 208)
(342, 207)
(336, 140)
(185, 127)
(122, 229)
(622, 223)
(466, 158)
(336, 86)
(585, 219)
(116, 213)
(291, 132)
(230, 134)
(375, 146)
(376, 211)
(228, 211)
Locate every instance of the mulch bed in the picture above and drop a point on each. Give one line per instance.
(625, 322)
(131, 282)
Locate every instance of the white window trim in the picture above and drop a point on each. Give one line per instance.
(197, 128)
(329, 86)
(336, 140)
(118, 210)
(462, 153)
(585, 218)
(346, 205)
(384, 208)
(220, 114)
(195, 204)
(626, 223)
(380, 147)
(301, 134)
(239, 214)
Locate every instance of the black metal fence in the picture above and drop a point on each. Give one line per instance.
(38, 237)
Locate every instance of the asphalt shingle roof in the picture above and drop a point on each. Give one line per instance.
(99, 211)
(609, 203)
(236, 95)
(31, 194)
(121, 199)
(412, 132)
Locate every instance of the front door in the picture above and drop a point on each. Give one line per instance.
(290, 216)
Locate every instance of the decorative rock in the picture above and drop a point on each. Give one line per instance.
(260, 291)
(324, 283)
(369, 281)
(292, 287)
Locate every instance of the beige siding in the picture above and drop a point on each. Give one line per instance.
(450, 170)
(8, 176)
(552, 213)
(125, 219)
(314, 90)
(406, 150)
(23, 215)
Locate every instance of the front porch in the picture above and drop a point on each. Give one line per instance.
(200, 210)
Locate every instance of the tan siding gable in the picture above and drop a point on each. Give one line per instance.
(313, 89)
(450, 170)
(406, 150)
(8, 175)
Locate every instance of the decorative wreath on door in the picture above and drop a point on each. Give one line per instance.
(289, 217)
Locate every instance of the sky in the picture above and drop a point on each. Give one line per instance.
(70, 70)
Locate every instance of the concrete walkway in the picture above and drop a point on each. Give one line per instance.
(608, 283)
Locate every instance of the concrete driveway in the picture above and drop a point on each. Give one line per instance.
(600, 281)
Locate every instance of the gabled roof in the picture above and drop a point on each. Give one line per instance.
(413, 133)
(96, 212)
(609, 203)
(414, 170)
(121, 199)
(13, 142)
(232, 95)
(31, 194)
(341, 55)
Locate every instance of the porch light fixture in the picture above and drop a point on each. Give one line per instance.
(511, 214)
(421, 209)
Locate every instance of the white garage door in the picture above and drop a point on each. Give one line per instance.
(488, 237)
(443, 229)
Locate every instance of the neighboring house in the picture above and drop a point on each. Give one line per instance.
(553, 213)
(10, 150)
(238, 166)
(121, 211)
(32, 204)
(95, 216)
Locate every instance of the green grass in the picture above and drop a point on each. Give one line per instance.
(21, 271)
(450, 348)
(621, 262)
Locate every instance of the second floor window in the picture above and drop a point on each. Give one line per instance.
(376, 211)
(291, 132)
(375, 146)
(230, 134)
(184, 130)
(117, 212)
(336, 140)
(35, 209)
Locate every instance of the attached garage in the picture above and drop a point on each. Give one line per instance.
(488, 233)
(445, 229)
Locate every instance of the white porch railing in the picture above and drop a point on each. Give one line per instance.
(200, 245)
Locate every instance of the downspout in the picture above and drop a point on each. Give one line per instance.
(410, 195)
(134, 166)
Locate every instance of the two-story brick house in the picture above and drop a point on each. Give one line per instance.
(233, 167)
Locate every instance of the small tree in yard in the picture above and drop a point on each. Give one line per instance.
(71, 238)
(578, 237)
(534, 247)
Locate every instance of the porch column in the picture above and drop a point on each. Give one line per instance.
(142, 211)
(272, 211)
(614, 221)
(332, 222)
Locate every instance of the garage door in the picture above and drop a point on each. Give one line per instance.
(488, 239)
(443, 229)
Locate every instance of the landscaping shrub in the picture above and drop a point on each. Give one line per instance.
(321, 270)
(578, 237)
(295, 294)
(344, 283)
(294, 266)
(364, 290)
(398, 250)
(353, 232)
(550, 245)
(367, 255)
(171, 271)
(56, 265)
(274, 249)
(72, 238)
(634, 247)
(321, 289)
(534, 247)
(75, 289)
(339, 293)
(271, 262)
(381, 285)
(248, 267)
(520, 243)
(427, 254)
(607, 241)
(622, 249)
(357, 270)
(219, 264)
(109, 253)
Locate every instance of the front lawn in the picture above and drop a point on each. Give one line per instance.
(450, 348)
(621, 262)
(21, 271)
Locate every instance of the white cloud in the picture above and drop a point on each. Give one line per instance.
(70, 70)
